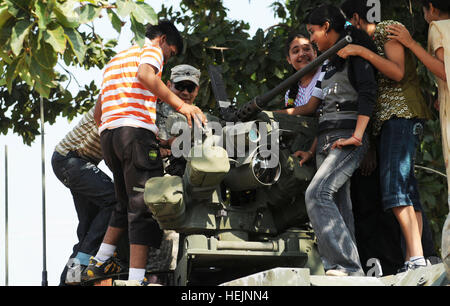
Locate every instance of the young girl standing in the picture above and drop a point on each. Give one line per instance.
(437, 60)
(344, 99)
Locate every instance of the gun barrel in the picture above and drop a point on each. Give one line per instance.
(259, 102)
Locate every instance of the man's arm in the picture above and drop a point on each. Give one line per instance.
(98, 111)
(147, 76)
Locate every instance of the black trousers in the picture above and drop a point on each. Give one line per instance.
(133, 156)
(93, 196)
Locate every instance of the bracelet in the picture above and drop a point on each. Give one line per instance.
(359, 140)
(312, 154)
(179, 107)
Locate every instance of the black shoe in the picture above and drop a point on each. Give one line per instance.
(98, 270)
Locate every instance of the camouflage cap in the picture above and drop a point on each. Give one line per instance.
(185, 73)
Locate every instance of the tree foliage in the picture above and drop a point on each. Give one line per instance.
(35, 36)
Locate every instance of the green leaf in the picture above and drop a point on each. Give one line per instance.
(23, 69)
(19, 32)
(42, 89)
(68, 55)
(13, 9)
(89, 12)
(145, 12)
(5, 37)
(139, 31)
(45, 56)
(4, 14)
(76, 42)
(115, 20)
(42, 76)
(124, 7)
(55, 37)
(43, 12)
(11, 74)
(66, 14)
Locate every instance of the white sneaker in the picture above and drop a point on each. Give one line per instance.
(335, 273)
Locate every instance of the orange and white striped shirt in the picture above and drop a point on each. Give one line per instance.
(125, 101)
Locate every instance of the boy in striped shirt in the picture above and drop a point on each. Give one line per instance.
(126, 111)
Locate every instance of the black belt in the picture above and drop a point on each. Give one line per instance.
(347, 106)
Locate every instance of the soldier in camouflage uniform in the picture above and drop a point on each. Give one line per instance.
(184, 82)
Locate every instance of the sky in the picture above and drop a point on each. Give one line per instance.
(25, 239)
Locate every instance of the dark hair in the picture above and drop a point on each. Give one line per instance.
(359, 7)
(165, 27)
(335, 17)
(442, 5)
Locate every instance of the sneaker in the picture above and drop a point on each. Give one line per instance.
(404, 268)
(414, 266)
(74, 272)
(135, 283)
(408, 266)
(333, 272)
(97, 269)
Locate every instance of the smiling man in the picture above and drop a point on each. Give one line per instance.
(185, 83)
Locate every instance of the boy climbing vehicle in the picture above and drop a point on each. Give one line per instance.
(127, 114)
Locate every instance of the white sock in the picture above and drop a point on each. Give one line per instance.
(418, 260)
(136, 274)
(105, 252)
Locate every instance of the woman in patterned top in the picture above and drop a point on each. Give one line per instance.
(437, 14)
(398, 122)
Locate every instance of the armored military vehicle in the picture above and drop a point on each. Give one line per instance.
(239, 207)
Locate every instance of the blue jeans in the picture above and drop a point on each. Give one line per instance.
(399, 140)
(329, 205)
(93, 195)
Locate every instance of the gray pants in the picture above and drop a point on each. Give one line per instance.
(329, 205)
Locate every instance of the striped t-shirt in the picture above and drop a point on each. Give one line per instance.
(83, 139)
(125, 101)
(304, 93)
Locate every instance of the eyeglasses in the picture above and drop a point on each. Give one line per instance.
(190, 87)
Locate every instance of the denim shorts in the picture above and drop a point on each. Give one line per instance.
(399, 140)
